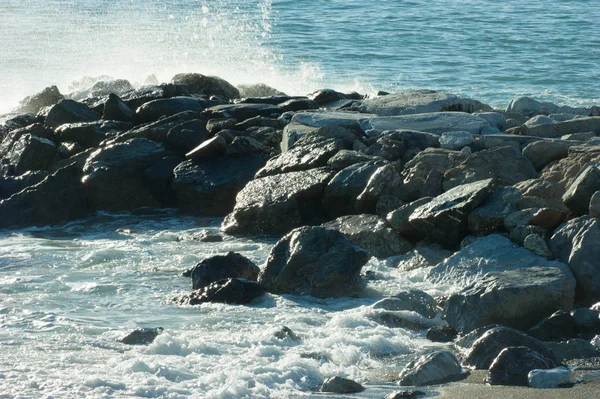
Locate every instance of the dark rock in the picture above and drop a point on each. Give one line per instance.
(258, 90)
(548, 218)
(156, 131)
(398, 218)
(138, 97)
(58, 198)
(107, 87)
(441, 334)
(587, 322)
(372, 233)
(19, 121)
(187, 136)
(30, 153)
(259, 121)
(341, 385)
(242, 146)
(398, 319)
(209, 188)
(159, 179)
(47, 97)
(141, 336)
(116, 110)
(325, 96)
(435, 368)
(412, 300)
(559, 326)
(154, 110)
(114, 178)
(513, 364)
(232, 265)
(520, 233)
(277, 204)
(69, 111)
(202, 236)
(89, 134)
(286, 332)
(215, 125)
(10, 185)
(209, 149)
(206, 85)
(266, 136)
(466, 341)
(298, 104)
(573, 349)
(387, 148)
(344, 158)
(444, 219)
(492, 342)
(542, 152)
(384, 182)
(422, 256)
(313, 261)
(242, 111)
(578, 194)
(408, 394)
(232, 291)
(489, 217)
(67, 149)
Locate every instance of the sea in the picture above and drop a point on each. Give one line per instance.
(69, 292)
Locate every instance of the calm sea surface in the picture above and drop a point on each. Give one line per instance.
(68, 292)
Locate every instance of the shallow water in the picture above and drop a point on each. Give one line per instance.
(488, 50)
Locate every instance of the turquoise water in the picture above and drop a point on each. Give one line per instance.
(490, 50)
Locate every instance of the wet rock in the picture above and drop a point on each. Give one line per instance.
(30, 153)
(10, 185)
(242, 111)
(576, 243)
(513, 364)
(202, 236)
(209, 188)
(58, 198)
(89, 134)
(286, 332)
(400, 319)
(384, 182)
(550, 378)
(559, 326)
(298, 104)
(258, 90)
(116, 110)
(47, 97)
(341, 385)
(156, 131)
(573, 349)
(243, 146)
(489, 217)
(594, 210)
(186, 136)
(231, 291)
(69, 111)
(372, 233)
(206, 85)
(412, 300)
(441, 334)
(221, 267)
(492, 342)
(444, 219)
(114, 175)
(578, 194)
(67, 149)
(277, 204)
(422, 256)
(325, 96)
(436, 368)
(259, 121)
(154, 110)
(19, 121)
(408, 394)
(209, 149)
(399, 218)
(141, 336)
(313, 261)
(106, 87)
(542, 152)
(505, 164)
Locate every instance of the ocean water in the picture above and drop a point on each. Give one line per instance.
(490, 50)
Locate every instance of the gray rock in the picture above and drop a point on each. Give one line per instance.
(584, 136)
(231, 291)
(258, 90)
(243, 146)
(155, 131)
(422, 256)
(277, 204)
(387, 148)
(558, 129)
(165, 107)
(141, 336)
(537, 245)
(298, 104)
(437, 122)
(242, 111)
(69, 111)
(10, 185)
(441, 334)
(540, 193)
(206, 85)
(46, 98)
(489, 217)
(576, 243)
(398, 218)
(456, 140)
(513, 364)
(313, 261)
(412, 300)
(220, 267)
(414, 141)
(539, 120)
(542, 152)
(520, 233)
(594, 210)
(186, 136)
(550, 378)
(344, 158)
(325, 96)
(435, 368)
(495, 119)
(573, 349)
(547, 218)
(558, 326)
(116, 110)
(209, 149)
(385, 181)
(565, 171)
(341, 385)
(89, 134)
(507, 165)
(578, 194)
(444, 219)
(67, 149)
(30, 153)
(486, 348)
(209, 188)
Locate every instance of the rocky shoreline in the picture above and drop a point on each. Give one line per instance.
(502, 204)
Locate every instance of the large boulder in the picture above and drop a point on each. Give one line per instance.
(506, 164)
(69, 111)
(209, 188)
(156, 131)
(399, 217)
(10, 185)
(277, 204)
(558, 129)
(436, 122)
(154, 110)
(513, 364)
(502, 283)
(114, 175)
(220, 267)
(29, 153)
(231, 291)
(341, 385)
(489, 217)
(46, 98)
(242, 111)
(371, 233)
(444, 219)
(565, 171)
(313, 261)
(579, 193)
(435, 368)
(186, 136)
(116, 110)
(540, 193)
(576, 243)
(58, 198)
(542, 152)
(206, 85)
(412, 300)
(89, 134)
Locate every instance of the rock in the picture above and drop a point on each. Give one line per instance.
(339, 197)
(46, 98)
(325, 96)
(413, 141)
(422, 256)
(286, 332)
(576, 243)
(371, 233)
(550, 378)
(141, 336)
(215, 268)
(258, 121)
(444, 219)
(492, 342)
(579, 193)
(409, 394)
(344, 158)
(435, 368)
(209, 188)
(412, 300)
(10, 185)
(584, 136)
(30, 153)
(528, 106)
(159, 179)
(537, 245)
(258, 90)
(209, 149)
(547, 218)
(154, 110)
(116, 110)
(58, 198)
(505, 164)
(202, 236)
(298, 104)
(114, 175)
(419, 102)
(106, 87)
(89, 134)
(489, 217)
(513, 364)
(542, 152)
(539, 120)
(573, 349)
(186, 136)
(540, 193)
(156, 131)
(558, 129)
(387, 148)
(456, 140)
(441, 334)
(67, 149)
(438, 122)
(231, 291)
(341, 385)
(313, 261)
(565, 171)
(242, 111)
(384, 182)
(206, 85)
(243, 146)
(495, 119)
(277, 204)
(559, 326)
(587, 322)
(69, 111)
(594, 210)
(398, 218)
